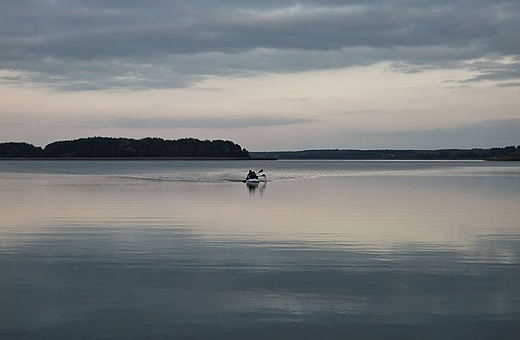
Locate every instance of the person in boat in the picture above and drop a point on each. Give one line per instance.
(251, 175)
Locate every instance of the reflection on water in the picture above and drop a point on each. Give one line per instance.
(117, 250)
(256, 187)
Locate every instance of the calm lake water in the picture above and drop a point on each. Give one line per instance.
(323, 250)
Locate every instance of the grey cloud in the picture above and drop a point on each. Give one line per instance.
(517, 84)
(170, 44)
(196, 122)
(497, 71)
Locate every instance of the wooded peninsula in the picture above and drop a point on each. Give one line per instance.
(152, 147)
(107, 147)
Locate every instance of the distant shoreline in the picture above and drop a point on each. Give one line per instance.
(137, 159)
(108, 159)
(153, 148)
(508, 153)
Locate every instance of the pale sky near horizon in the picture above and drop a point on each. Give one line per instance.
(268, 75)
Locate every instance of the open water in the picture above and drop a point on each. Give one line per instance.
(323, 250)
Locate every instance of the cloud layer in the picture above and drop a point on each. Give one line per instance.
(135, 44)
(195, 122)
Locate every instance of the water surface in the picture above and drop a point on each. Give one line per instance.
(328, 249)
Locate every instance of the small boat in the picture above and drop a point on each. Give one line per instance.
(256, 180)
(253, 179)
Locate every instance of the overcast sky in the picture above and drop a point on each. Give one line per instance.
(269, 75)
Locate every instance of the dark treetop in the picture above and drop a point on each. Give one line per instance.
(105, 147)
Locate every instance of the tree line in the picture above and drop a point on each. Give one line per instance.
(106, 147)
(499, 153)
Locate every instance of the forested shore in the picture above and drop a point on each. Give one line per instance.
(153, 148)
(106, 147)
(498, 153)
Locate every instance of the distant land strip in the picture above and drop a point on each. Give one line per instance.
(508, 153)
(152, 148)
